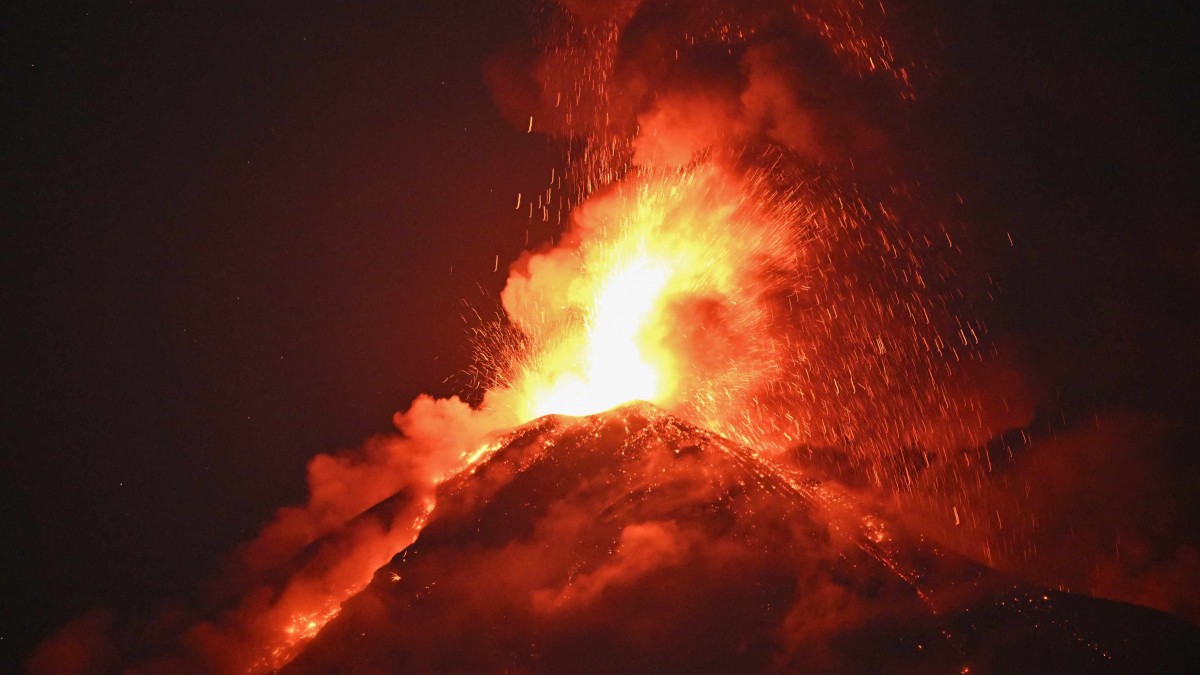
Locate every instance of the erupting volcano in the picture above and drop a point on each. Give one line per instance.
(631, 541)
(725, 418)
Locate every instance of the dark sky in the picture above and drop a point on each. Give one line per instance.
(228, 236)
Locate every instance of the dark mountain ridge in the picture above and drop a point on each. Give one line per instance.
(632, 541)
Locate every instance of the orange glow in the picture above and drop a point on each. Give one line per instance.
(628, 312)
(308, 604)
(757, 294)
(614, 367)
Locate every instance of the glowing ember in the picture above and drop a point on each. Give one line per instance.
(303, 628)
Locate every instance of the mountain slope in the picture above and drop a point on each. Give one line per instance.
(631, 541)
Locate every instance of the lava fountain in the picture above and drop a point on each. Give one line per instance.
(660, 293)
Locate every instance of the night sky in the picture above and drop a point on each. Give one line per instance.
(237, 237)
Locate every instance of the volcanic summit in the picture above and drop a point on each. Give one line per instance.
(632, 541)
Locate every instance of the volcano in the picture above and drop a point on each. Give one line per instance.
(633, 541)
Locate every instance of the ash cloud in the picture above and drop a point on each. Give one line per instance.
(684, 78)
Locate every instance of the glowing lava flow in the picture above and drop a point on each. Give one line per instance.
(305, 610)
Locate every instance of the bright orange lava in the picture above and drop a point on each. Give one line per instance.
(613, 366)
(629, 311)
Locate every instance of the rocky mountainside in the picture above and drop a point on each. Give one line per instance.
(631, 541)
